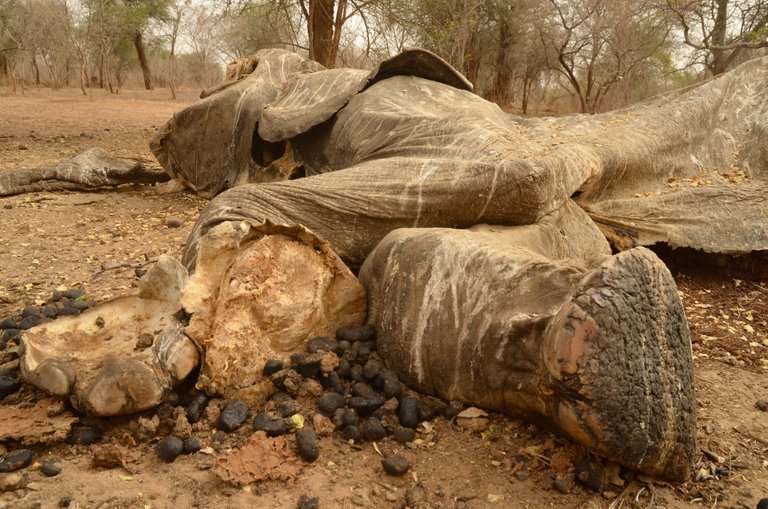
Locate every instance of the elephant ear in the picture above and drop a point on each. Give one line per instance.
(308, 100)
(208, 146)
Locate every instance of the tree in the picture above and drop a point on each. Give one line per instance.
(325, 21)
(178, 8)
(79, 34)
(139, 14)
(598, 43)
(721, 30)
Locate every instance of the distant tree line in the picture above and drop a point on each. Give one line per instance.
(558, 55)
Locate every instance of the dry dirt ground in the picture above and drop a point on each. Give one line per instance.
(94, 241)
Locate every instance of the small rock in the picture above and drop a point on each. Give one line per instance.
(763, 504)
(197, 407)
(173, 222)
(272, 426)
(408, 412)
(23, 147)
(415, 495)
(404, 435)
(233, 415)
(169, 448)
(373, 430)
(8, 206)
(329, 402)
(271, 367)
(306, 502)
(51, 468)
(84, 436)
(761, 405)
(395, 465)
(306, 444)
(8, 386)
(15, 460)
(11, 482)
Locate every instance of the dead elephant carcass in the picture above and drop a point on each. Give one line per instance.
(532, 315)
(537, 320)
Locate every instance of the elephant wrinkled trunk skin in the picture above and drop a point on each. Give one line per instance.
(600, 353)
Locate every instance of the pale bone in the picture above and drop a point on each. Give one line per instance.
(101, 368)
(163, 281)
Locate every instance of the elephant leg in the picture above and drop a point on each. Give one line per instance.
(599, 350)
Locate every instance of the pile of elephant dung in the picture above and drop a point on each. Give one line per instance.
(337, 384)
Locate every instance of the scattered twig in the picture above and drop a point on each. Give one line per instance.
(618, 502)
(37, 200)
(543, 458)
(122, 266)
(712, 456)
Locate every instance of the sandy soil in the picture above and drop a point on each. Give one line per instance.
(95, 241)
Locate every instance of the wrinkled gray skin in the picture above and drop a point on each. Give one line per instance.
(537, 320)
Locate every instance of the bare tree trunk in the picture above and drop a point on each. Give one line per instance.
(503, 78)
(138, 42)
(3, 65)
(320, 25)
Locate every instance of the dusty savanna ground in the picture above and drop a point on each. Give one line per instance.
(51, 241)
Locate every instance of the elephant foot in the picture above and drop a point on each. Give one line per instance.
(618, 375)
(119, 357)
